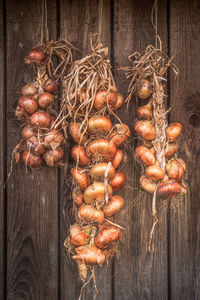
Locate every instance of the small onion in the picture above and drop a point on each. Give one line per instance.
(96, 192)
(79, 155)
(90, 214)
(35, 146)
(145, 155)
(173, 131)
(175, 169)
(147, 184)
(99, 169)
(29, 90)
(90, 255)
(107, 236)
(119, 103)
(101, 148)
(121, 134)
(117, 158)
(79, 236)
(27, 132)
(41, 119)
(53, 139)
(144, 89)
(145, 112)
(81, 178)
(36, 56)
(114, 205)
(168, 188)
(28, 104)
(45, 99)
(172, 149)
(51, 86)
(155, 173)
(31, 159)
(78, 137)
(118, 181)
(146, 129)
(52, 157)
(99, 124)
(81, 95)
(104, 97)
(77, 197)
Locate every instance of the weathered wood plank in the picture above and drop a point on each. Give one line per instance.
(2, 151)
(32, 219)
(78, 20)
(184, 99)
(138, 274)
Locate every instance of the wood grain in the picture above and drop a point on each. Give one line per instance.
(139, 274)
(32, 215)
(78, 20)
(185, 102)
(2, 151)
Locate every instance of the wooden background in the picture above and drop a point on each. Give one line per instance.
(33, 264)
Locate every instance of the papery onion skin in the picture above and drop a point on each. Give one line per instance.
(114, 205)
(36, 56)
(52, 157)
(28, 104)
(173, 131)
(147, 184)
(79, 155)
(28, 132)
(102, 148)
(29, 90)
(79, 236)
(99, 169)
(45, 99)
(90, 255)
(145, 112)
(175, 169)
(53, 139)
(104, 97)
(107, 236)
(118, 181)
(31, 159)
(121, 134)
(81, 178)
(119, 103)
(78, 137)
(51, 86)
(81, 95)
(146, 129)
(40, 119)
(99, 124)
(155, 173)
(96, 192)
(168, 189)
(145, 155)
(88, 213)
(118, 158)
(144, 89)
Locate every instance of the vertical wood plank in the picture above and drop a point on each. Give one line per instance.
(185, 103)
(2, 150)
(32, 218)
(138, 274)
(78, 20)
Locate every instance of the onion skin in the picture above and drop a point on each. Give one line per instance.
(121, 135)
(27, 132)
(40, 119)
(34, 145)
(35, 56)
(31, 159)
(175, 169)
(90, 214)
(114, 205)
(145, 112)
(81, 178)
(79, 155)
(103, 97)
(144, 89)
(155, 173)
(28, 104)
(107, 236)
(168, 188)
(99, 169)
(53, 139)
(99, 124)
(119, 103)
(147, 184)
(173, 131)
(52, 157)
(76, 134)
(145, 155)
(79, 236)
(29, 90)
(117, 158)
(54, 125)
(118, 181)
(90, 255)
(146, 129)
(45, 99)
(81, 95)
(172, 149)
(77, 197)
(96, 192)
(101, 148)
(51, 86)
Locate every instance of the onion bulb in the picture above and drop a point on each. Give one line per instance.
(119, 103)
(79, 155)
(77, 197)
(147, 184)
(114, 205)
(171, 150)
(101, 148)
(29, 90)
(96, 192)
(117, 158)
(99, 169)
(31, 159)
(81, 178)
(51, 86)
(28, 132)
(173, 131)
(34, 145)
(145, 155)
(107, 236)
(77, 135)
(99, 124)
(168, 188)
(121, 134)
(79, 235)
(146, 129)
(28, 104)
(118, 181)
(52, 157)
(90, 255)
(41, 119)
(144, 89)
(36, 56)
(175, 168)
(145, 112)
(90, 214)
(45, 99)
(155, 173)
(53, 139)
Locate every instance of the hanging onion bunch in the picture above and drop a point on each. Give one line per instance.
(42, 135)
(90, 95)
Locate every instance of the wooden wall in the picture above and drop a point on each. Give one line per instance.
(33, 264)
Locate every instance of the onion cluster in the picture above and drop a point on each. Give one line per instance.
(97, 175)
(163, 170)
(41, 135)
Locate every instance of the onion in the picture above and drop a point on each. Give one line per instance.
(155, 173)
(117, 158)
(79, 155)
(146, 129)
(121, 134)
(175, 169)
(54, 125)
(99, 170)
(77, 197)
(145, 112)
(27, 132)
(90, 214)
(168, 188)
(101, 148)
(41, 119)
(99, 124)
(34, 145)
(103, 97)
(74, 129)
(53, 139)
(45, 99)
(114, 205)
(107, 236)
(118, 181)
(173, 131)
(35, 56)
(172, 149)
(28, 104)
(96, 192)
(51, 86)
(90, 255)
(119, 103)
(52, 157)
(31, 159)
(29, 90)
(81, 95)
(144, 89)
(145, 155)
(147, 184)
(80, 177)
(79, 236)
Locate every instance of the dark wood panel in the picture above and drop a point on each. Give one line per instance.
(2, 150)
(32, 206)
(185, 102)
(78, 20)
(139, 274)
